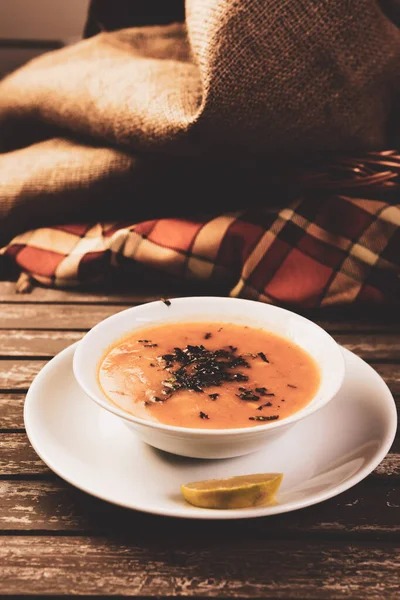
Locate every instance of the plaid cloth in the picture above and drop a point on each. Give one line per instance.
(311, 253)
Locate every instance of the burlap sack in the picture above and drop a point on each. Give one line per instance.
(240, 80)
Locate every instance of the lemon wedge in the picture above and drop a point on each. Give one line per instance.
(235, 492)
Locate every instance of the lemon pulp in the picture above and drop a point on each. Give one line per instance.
(242, 491)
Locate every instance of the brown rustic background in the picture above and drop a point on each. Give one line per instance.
(30, 27)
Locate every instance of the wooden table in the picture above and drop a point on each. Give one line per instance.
(59, 541)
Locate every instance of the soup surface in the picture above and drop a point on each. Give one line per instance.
(208, 375)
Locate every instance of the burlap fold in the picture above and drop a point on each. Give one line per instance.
(237, 80)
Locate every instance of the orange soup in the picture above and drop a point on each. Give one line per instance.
(208, 375)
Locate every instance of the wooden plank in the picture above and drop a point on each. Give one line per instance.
(22, 342)
(353, 318)
(370, 347)
(390, 466)
(192, 568)
(11, 411)
(19, 458)
(365, 511)
(19, 374)
(81, 316)
(53, 316)
(82, 296)
(47, 343)
(391, 375)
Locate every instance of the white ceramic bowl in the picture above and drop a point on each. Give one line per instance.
(210, 443)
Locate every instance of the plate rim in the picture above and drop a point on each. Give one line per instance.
(210, 514)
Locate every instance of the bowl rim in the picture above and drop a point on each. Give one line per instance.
(187, 431)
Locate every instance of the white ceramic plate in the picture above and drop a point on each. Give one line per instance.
(320, 457)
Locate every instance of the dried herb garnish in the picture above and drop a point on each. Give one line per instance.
(195, 367)
(263, 357)
(166, 301)
(261, 390)
(213, 396)
(292, 386)
(144, 341)
(264, 418)
(207, 336)
(152, 365)
(262, 405)
(220, 329)
(239, 377)
(203, 415)
(248, 396)
(150, 345)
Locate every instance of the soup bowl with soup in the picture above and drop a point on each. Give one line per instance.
(209, 377)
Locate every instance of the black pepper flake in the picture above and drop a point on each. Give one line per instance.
(207, 336)
(213, 396)
(248, 396)
(150, 345)
(282, 400)
(152, 365)
(262, 405)
(292, 386)
(166, 301)
(263, 357)
(157, 399)
(261, 390)
(144, 341)
(239, 377)
(264, 418)
(203, 415)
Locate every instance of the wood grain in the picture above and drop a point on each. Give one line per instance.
(19, 374)
(84, 316)
(54, 316)
(33, 343)
(365, 511)
(17, 457)
(68, 543)
(47, 343)
(195, 568)
(11, 411)
(347, 317)
(79, 296)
